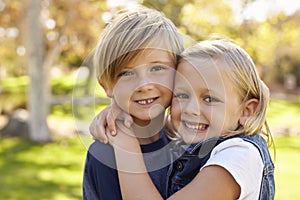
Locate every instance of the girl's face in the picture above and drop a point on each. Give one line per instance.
(144, 86)
(205, 103)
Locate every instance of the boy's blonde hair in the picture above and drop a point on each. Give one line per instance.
(128, 34)
(242, 72)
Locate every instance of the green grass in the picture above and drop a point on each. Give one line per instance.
(41, 171)
(54, 171)
(287, 174)
(284, 114)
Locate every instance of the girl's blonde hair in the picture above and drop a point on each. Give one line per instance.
(242, 71)
(130, 32)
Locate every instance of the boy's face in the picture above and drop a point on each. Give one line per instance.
(144, 86)
(205, 102)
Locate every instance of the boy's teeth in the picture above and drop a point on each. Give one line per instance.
(196, 127)
(147, 101)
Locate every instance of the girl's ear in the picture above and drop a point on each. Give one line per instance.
(107, 89)
(249, 109)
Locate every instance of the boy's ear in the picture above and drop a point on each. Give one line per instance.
(249, 109)
(107, 90)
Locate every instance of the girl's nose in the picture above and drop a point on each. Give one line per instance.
(192, 107)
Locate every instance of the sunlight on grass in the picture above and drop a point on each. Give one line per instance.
(35, 171)
(14, 84)
(284, 114)
(287, 174)
(54, 171)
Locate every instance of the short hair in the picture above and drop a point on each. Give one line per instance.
(130, 32)
(241, 70)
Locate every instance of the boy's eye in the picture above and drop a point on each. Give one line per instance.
(210, 99)
(181, 96)
(126, 73)
(158, 68)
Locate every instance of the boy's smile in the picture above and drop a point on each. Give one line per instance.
(144, 85)
(146, 101)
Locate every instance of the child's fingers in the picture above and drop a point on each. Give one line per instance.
(111, 127)
(111, 119)
(96, 133)
(97, 129)
(100, 128)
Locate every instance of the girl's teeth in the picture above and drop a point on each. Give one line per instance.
(201, 127)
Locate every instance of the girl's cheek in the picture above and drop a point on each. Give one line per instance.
(175, 113)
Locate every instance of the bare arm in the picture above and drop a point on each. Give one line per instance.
(213, 182)
(132, 171)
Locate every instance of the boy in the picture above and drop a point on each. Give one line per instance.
(135, 62)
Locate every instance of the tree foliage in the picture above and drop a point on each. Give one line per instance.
(71, 30)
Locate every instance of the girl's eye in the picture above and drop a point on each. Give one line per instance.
(181, 96)
(158, 68)
(126, 73)
(210, 100)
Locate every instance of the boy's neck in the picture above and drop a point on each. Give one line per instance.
(150, 132)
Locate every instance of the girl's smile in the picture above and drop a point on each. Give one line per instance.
(202, 106)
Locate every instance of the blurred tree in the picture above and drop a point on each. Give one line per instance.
(37, 97)
(12, 56)
(202, 19)
(287, 60)
(197, 18)
(76, 27)
(71, 30)
(274, 45)
(172, 9)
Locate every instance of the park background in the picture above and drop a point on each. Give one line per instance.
(48, 93)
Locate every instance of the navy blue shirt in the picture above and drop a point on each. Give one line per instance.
(100, 179)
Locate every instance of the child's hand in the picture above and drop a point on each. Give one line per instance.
(126, 140)
(106, 119)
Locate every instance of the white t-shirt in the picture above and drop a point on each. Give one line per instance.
(243, 161)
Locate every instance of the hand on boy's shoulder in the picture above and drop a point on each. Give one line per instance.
(124, 139)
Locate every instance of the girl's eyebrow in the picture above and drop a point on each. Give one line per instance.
(205, 90)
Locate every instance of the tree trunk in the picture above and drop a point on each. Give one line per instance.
(38, 105)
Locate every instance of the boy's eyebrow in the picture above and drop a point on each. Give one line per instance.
(162, 62)
(152, 62)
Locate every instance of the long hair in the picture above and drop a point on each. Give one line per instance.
(241, 69)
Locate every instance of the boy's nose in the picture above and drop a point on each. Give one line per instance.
(144, 83)
(145, 87)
